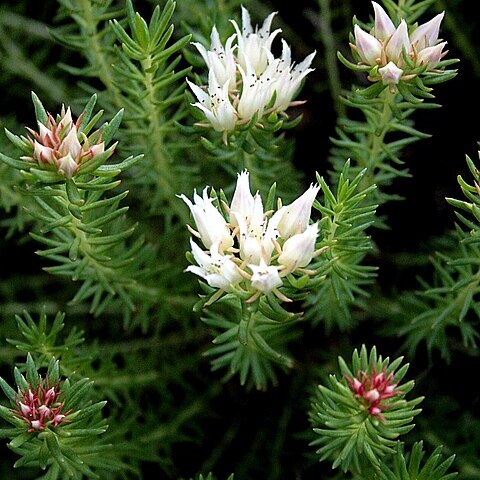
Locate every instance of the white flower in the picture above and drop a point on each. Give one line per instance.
(215, 104)
(386, 46)
(384, 26)
(256, 92)
(265, 278)
(210, 223)
(426, 35)
(297, 252)
(368, 47)
(390, 74)
(254, 45)
(220, 59)
(218, 270)
(289, 77)
(294, 218)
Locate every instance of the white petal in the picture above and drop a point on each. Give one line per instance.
(398, 41)
(242, 201)
(67, 165)
(201, 95)
(384, 26)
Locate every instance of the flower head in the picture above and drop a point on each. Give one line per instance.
(58, 143)
(255, 249)
(40, 407)
(373, 390)
(386, 44)
(244, 76)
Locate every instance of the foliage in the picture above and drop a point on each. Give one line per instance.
(124, 364)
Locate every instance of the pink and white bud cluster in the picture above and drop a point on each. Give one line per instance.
(253, 250)
(40, 407)
(244, 76)
(386, 43)
(58, 143)
(373, 390)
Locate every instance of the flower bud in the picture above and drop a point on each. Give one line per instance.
(398, 41)
(368, 47)
(242, 201)
(384, 26)
(297, 252)
(431, 55)
(294, 218)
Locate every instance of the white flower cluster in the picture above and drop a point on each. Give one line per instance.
(384, 46)
(244, 77)
(253, 250)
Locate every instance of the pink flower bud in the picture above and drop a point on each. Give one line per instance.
(37, 425)
(375, 410)
(372, 395)
(45, 411)
(26, 410)
(398, 41)
(57, 419)
(431, 55)
(384, 26)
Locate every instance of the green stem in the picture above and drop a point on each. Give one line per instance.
(376, 140)
(107, 273)
(247, 323)
(155, 146)
(97, 53)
